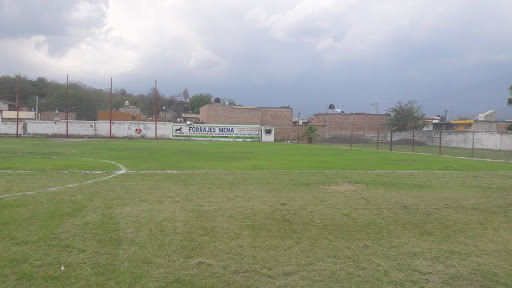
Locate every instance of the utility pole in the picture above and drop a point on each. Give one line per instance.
(156, 121)
(18, 106)
(67, 105)
(110, 107)
(445, 120)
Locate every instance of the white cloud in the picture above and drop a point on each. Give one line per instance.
(230, 43)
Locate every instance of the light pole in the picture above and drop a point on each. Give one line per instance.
(37, 107)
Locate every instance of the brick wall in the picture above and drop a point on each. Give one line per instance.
(50, 116)
(361, 124)
(118, 116)
(279, 118)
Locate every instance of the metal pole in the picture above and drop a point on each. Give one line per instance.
(391, 142)
(351, 136)
(412, 140)
(156, 129)
(67, 104)
(110, 107)
(37, 106)
(18, 106)
(378, 131)
(440, 137)
(473, 146)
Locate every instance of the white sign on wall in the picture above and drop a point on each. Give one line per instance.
(235, 132)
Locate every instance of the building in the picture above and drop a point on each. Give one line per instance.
(487, 116)
(167, 115)
(7, 106)
(130, 109)
(278, 117)
(462, 124)
(118, 116)
(14, 115)
(190, 117)
(56, 116)
(302, 121)
(360, 125)
(126, 113)
(495, 126)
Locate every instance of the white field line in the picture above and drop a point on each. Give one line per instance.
(426, 154)
(308, 171)
(62, 171)
(116, 173)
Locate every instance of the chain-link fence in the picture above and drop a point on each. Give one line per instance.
(470, 144)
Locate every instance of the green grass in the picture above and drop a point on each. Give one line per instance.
(250, 215)
(434, 150)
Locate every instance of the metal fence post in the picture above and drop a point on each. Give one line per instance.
(412, 140)
(378, 131)
(473, 146)
(351, 136)
(391, 142)
(440, 136)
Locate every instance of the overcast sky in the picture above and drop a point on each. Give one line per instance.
(453, 55)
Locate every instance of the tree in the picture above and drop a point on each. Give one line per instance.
(147, 106)
(199, 100)
(185, 95)
(310, 134)
(406, 116)
(509, 101)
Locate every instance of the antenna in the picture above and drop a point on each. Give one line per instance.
(376, 105)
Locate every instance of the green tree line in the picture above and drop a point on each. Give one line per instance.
(86, 101)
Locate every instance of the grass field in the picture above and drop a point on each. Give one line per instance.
(142, 213)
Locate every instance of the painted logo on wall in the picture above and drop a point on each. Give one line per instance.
(216, 131)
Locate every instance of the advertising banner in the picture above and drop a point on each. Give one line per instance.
(235, 132)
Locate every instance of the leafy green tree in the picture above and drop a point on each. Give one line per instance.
(9, 87)
(199, 100)
(310, 134)
(509, 101)
(406, 116)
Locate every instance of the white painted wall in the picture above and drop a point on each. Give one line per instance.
(267, 137)
(459, 139)
(120, 129)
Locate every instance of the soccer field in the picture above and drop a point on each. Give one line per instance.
(143, 213)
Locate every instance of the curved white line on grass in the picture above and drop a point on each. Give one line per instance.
(116, 173)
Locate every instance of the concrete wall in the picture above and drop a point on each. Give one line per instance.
(458, 139)
(88, 129)
(100, 129)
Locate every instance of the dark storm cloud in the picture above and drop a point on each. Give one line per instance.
(62, 23)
